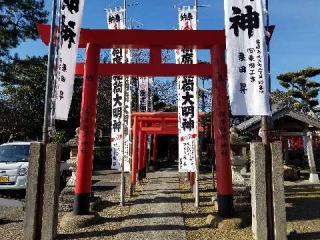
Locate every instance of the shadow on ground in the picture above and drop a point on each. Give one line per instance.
(302, 202)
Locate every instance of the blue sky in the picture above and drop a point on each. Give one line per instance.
(295, 43)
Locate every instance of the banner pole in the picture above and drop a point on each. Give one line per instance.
(48, 94)
(122, 180)
(265, 127)
(197, 197)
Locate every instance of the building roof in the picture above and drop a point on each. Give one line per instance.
(279, 111)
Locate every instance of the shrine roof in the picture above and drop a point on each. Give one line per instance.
(279, 112)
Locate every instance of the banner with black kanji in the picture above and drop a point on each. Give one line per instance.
(69, 34)
(247, 58)
(127, 116)
(143, 96)
(120, 109)
(187, 98)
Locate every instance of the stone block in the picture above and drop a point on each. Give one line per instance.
(32, 220)
(213, 221)
(258, 191)
(51, 192)
(280, 225)
(230, 224)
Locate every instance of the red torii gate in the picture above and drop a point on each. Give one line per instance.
(154, 123)
(155, 40)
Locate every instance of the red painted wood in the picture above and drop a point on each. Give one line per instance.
(155, 146)
(140, 149)
(87, 120)
(144, 151)
(221, 122)
(155, 56)
(134, 152)
(165, 39)
(150, 69)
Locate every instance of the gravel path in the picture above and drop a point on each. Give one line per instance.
(156, 213)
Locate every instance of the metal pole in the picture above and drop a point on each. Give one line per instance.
(122, 180)
(48, 94)
(265, 127)
(196, 185)
(125, 12)
(196, 6)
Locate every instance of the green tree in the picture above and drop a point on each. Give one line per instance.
(302, 88)
(23, 91)
(22, 101)
(18, 20)
(282, 98)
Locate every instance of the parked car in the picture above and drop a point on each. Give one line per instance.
(14, 163)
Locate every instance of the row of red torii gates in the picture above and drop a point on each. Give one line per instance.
(155, 40)
(152, 123)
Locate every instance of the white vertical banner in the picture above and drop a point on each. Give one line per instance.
(143, 94)
(115, 18)
(187, 98)
(247, 58)
(150, 85)
(127, 117)
(70, 24)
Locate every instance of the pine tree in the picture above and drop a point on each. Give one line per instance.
(302, 88)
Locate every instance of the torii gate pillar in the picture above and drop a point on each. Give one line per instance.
(87, 127)
(221, 133)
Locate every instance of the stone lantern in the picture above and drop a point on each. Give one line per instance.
(238, 157)
(73, 144)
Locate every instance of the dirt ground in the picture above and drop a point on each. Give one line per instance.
(302, 206)
(302, 210)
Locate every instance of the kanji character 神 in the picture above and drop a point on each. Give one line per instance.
(187, 123)
(116, 125)
(249, 21)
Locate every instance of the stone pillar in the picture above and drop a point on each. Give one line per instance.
(258, 191)
(280, 225)
(314, 178)
(238, 157)
(33, 206)
(51, 192)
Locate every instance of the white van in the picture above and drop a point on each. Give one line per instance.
(14, 163)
